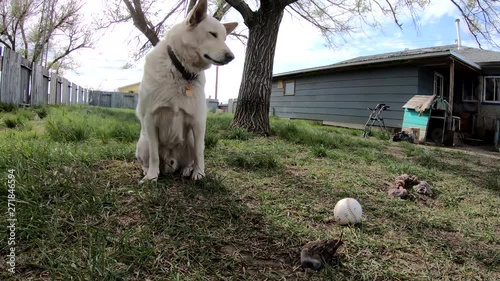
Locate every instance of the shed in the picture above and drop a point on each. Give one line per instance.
(418, 113)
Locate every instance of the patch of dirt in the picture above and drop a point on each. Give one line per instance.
(117, 173)
(254, 262)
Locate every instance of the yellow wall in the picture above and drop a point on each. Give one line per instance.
(133, 88)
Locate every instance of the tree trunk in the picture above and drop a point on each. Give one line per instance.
(252, 110)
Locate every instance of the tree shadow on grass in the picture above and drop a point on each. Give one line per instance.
(480, 175)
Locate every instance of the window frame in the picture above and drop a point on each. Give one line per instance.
(284, 87)
(437, 74)
(494, 86)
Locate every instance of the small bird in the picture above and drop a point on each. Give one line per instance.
(316, 254)
(423, 188)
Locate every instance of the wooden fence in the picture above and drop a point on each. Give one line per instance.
(25, 84)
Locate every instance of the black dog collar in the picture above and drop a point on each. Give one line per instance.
(185, 74)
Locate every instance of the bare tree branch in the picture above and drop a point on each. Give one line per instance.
(30, 25)
(469, 22)
(141, 22)
(222, 9)
(244, 10)
(160, 24)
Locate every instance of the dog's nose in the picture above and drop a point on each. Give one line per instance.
(229, 57)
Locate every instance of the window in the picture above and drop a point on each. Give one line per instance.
(289, 88)
(492, 89)
(469, 91)
(438, 84)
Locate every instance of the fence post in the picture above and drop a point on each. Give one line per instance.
(86, 96)
(52, 90)
(1, 66)
(11, 78)
(74, 93)
(39, 86)
(80, 95)
(65, 98)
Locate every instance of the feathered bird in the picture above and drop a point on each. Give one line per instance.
(316, 254)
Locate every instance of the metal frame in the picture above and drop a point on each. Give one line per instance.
(376, 117)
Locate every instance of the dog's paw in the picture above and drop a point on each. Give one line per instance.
(150, 176)
(187, 171)
(197, 174)
(145, 179)
(144, 171)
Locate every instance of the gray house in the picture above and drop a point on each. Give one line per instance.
(339, 94)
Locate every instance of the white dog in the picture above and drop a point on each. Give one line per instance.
(172, 106)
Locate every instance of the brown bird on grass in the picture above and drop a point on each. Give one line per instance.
(316, 254)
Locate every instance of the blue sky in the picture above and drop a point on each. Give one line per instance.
(299, 46)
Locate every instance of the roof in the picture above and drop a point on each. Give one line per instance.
(129, 85)
(421, 103)
(473, 57)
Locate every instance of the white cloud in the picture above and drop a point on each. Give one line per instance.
(437, 9)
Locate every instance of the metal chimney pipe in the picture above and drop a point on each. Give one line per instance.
(459, 40)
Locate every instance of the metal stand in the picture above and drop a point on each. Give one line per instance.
(375, 117)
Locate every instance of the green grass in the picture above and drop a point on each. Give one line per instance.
(81, 214)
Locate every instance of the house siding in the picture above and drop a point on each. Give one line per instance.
(343, 97)
(425, 81)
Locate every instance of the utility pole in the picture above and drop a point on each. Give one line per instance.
(216, 79)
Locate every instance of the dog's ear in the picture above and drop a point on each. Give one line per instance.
(230, 26)
(198, 13)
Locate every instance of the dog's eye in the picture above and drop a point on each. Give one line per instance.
(213, 34)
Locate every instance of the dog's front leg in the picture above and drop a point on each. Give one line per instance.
(154, 155)
(199, 150)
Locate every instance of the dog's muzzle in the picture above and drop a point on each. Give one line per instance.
(228, 57)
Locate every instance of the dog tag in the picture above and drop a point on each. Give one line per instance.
(189, 91)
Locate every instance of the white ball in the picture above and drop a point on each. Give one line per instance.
(347, 211)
